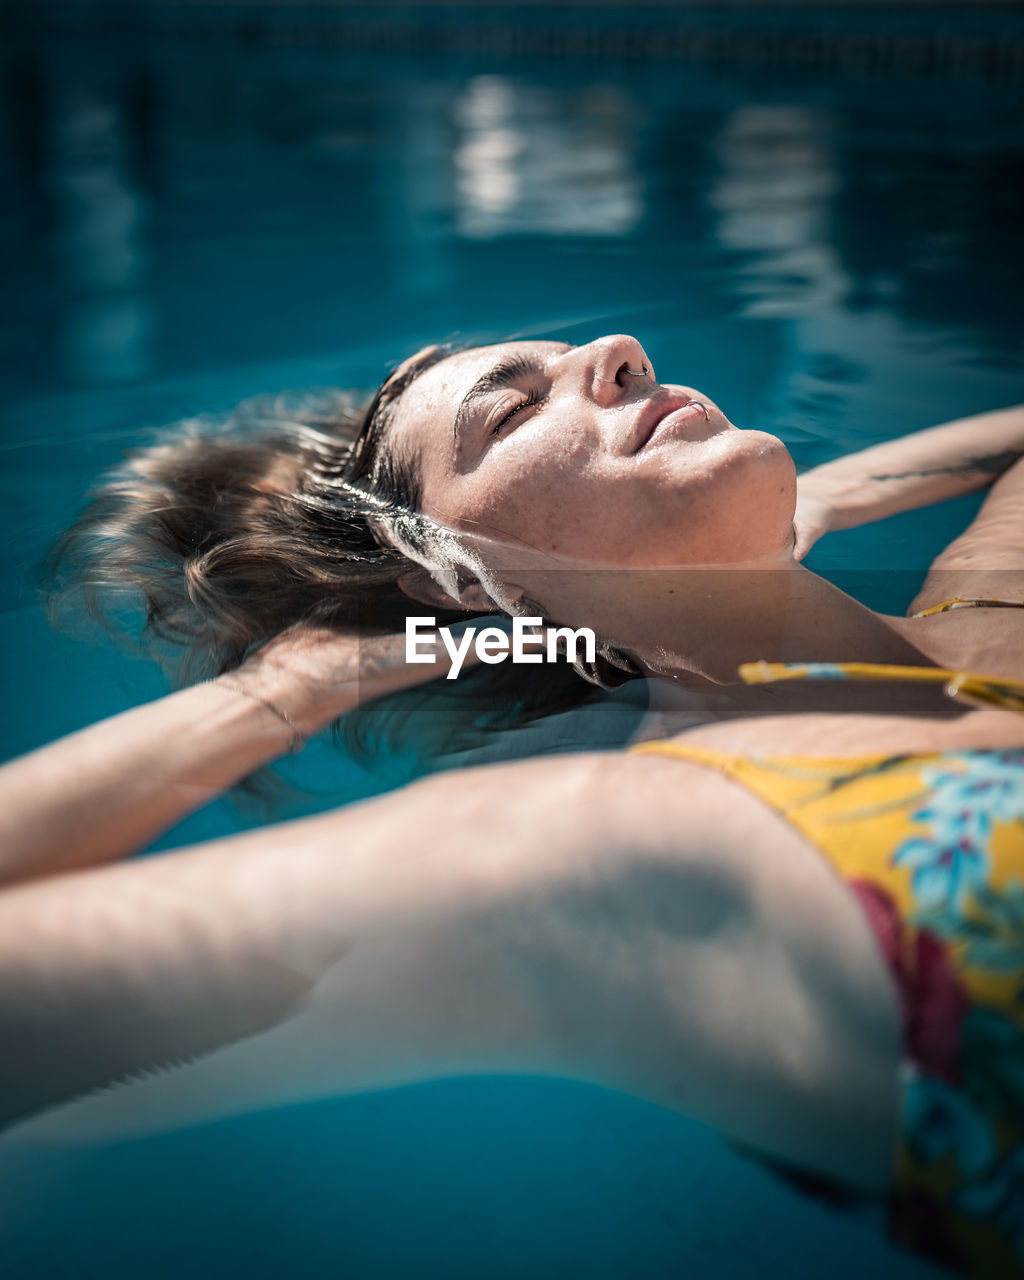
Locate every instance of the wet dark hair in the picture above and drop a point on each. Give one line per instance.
(229, 529)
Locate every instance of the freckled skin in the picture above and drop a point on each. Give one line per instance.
(560, 477)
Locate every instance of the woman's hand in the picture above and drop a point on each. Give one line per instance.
(816, 515)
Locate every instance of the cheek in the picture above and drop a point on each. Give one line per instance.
(541, 497)
(547, 509)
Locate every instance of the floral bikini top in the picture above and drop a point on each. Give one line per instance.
(932, 845)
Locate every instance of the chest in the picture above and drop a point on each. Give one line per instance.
(988, 640)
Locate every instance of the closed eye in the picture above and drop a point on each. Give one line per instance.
(501, 377)
(532, 398)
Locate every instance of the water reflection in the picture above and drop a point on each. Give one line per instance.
(198, 215)
(774, 194)
(211, 225)
(528, 160)
(99, 245)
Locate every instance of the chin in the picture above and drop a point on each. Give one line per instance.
(769, 489)
(772, 465)
(741, 510)
(768, 446)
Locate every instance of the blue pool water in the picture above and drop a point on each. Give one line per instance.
(835, 258)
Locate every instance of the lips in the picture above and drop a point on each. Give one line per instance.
(654, 413)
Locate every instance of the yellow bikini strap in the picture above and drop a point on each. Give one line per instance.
(968, 602)
(968, 686)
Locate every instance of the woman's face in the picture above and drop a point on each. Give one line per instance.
(556, 448)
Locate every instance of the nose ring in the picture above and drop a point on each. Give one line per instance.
(642, 372)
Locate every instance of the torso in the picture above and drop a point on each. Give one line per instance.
(800, 1003)
(834, 948)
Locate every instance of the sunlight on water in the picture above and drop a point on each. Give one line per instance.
(838, 261)
(188, 230)
(529, 162)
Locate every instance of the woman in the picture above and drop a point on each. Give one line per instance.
(761, 922)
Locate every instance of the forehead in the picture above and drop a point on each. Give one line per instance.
(424, 416)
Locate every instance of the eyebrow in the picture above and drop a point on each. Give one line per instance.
(500, 376)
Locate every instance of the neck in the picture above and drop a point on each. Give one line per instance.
(716, 619)
(697, 626)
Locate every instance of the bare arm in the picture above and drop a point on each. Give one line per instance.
(425, 931)
(914, 471)
(536, 917)
(111, 788)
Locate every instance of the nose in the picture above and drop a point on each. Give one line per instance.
(612, 365)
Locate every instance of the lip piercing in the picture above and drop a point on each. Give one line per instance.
(703, 408)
